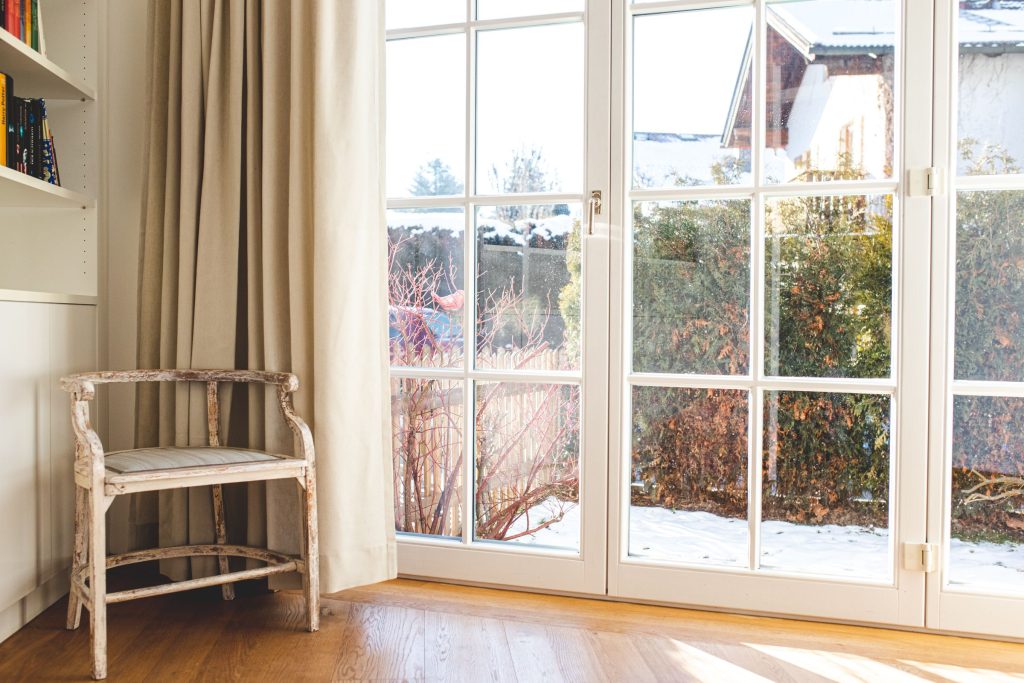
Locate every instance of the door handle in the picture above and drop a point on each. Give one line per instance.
(593, 209)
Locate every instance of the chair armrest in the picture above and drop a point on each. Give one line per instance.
(299, 428)
(87, 441)
(84, 383)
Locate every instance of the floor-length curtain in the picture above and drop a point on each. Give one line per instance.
(263, 247)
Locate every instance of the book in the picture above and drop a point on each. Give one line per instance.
(49, 156)
(23, 20)
(28, 144)
(9, 129)
(42, 34)
(3, 116)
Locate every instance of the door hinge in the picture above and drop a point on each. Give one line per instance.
(920, 557)
(926, 182)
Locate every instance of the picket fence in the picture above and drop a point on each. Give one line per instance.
(521, 421)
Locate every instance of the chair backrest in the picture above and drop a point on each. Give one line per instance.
(82, 387)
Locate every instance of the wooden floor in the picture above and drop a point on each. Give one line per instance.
(410, 630)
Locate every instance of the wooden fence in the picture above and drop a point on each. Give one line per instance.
(525, 436)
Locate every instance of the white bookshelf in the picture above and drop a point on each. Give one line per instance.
(49, 234)
(49, 287)
(24, 191)
(35, 73)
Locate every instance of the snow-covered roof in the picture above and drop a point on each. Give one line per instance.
(833, 27)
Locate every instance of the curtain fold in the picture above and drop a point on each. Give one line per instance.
(263, 247)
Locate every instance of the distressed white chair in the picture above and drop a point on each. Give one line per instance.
(99, 477)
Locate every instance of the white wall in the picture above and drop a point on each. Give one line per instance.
(125, 114)
(992, 101)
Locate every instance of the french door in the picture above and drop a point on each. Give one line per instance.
(976, 462)
(681, 308)
(497, 155)
(769, 415)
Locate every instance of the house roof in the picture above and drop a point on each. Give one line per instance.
(836, 27)
(850, 28)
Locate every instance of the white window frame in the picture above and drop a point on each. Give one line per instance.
(512, 564)
(902, 600)
(955, 608)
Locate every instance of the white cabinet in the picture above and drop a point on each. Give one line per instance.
(24, 446)
(39, 342)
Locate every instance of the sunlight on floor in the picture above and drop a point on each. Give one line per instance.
(959, 674)
(705, 666)
(848, 668)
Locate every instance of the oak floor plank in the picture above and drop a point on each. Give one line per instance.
(690, 625)
(533, 652)
(460, 648)
(380, 642)
(267, 633)
(618, 658)
(574, 652)
(410, 630)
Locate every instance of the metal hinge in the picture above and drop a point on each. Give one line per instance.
(920, 557)
(926, 182)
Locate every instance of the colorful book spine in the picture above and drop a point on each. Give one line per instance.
(23, 20)
(34, 33)
(49, 170)
(3, 116)
(8, 159)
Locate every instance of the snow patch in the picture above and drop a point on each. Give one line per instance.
(701, 538)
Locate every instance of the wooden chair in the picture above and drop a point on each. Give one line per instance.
(100, 477)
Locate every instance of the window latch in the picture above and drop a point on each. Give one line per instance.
(594, 209)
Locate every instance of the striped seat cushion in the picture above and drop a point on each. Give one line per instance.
(150, 459)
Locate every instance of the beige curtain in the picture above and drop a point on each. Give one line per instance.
(263, 248)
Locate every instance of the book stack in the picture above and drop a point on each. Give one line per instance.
(21, 18)
(27, 143)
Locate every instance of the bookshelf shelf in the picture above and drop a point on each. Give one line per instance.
(26, 296)
(36, 76)
(24, 191)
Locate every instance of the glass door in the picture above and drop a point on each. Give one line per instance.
(496, 139)
(767, 418)
(977, 475)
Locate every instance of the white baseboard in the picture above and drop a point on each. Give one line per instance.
(32, 605)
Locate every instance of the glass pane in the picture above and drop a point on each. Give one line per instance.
(680, 137)
(530, 110)
(991, 80)
(529, 279)
(425, 286)
(987, 545)
(990, 286)
(426, 422)
(691, 286)
(408, 13)
(528, 463)
(688, 500)
(825, 494)
(828, 286)
(830, 89)
(500, 9)
(422, 70)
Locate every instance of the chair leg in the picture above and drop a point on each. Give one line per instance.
(227, 590)
(79, 557)
(98, 580)
(311, 553)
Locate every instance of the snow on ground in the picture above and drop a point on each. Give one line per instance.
(852, 551)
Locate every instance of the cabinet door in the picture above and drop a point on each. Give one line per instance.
(24, 447)
(72, 349)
